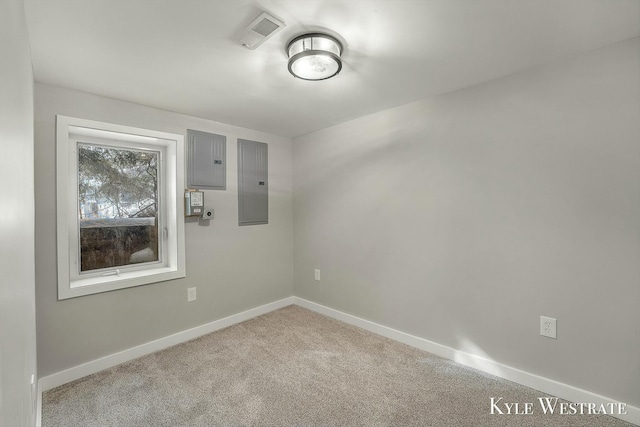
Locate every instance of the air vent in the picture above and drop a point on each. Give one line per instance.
(261, 29)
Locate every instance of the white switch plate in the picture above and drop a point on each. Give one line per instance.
(548, 327)
(316, 274)
(191, 294)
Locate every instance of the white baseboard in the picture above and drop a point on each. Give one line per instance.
(93, 366)
(545, 385)
(536, 382)
(39, 406)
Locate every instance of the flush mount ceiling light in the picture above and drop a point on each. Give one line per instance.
(314, 56)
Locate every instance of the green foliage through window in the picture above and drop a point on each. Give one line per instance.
(117, 206)
(116, 183)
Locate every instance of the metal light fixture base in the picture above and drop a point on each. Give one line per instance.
(314, 56)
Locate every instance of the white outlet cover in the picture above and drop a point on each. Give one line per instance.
(548, 327)
(316, 274)
(191, 294)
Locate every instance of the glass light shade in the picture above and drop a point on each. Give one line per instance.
(314, 56)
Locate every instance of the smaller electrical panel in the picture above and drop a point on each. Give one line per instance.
(206, 160)
(194, 203)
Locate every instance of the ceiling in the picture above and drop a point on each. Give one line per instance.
(185, 55)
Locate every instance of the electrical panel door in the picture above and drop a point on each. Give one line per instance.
(207, 160)
(253, 183)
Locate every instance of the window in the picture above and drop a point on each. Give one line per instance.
(119, 206)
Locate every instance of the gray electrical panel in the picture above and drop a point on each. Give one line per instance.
(253, 184)
(207, 161)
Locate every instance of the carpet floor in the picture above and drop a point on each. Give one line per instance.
(294, 367)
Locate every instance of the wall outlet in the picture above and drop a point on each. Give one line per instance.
(316, 275)
(191, 294)
(548, 327)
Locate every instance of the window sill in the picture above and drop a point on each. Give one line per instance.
(94, 285)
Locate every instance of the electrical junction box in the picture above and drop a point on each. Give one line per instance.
(193, 203)
(207, 214)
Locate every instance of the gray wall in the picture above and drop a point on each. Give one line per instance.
(234, 268)
(17, 301)
(463, 218)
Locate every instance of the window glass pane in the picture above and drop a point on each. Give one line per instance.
(117, 206)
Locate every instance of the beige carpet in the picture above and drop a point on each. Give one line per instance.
(293, 367)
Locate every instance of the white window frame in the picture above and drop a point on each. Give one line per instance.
(171, 264)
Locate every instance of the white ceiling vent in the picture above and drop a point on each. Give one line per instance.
(262, 28)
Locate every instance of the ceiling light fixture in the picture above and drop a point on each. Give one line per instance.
(314, 56)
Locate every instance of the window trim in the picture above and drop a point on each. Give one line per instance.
(172, 265)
